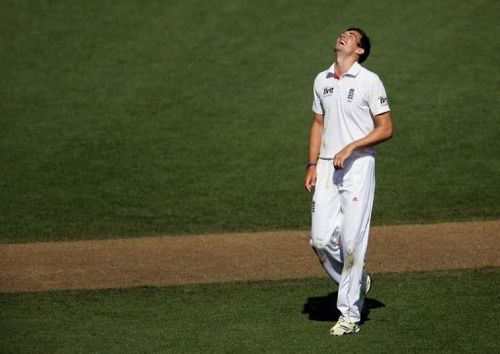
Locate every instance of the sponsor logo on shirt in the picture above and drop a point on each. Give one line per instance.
(384, 101)
(327, 91)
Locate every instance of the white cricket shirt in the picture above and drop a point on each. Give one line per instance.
(348, 105)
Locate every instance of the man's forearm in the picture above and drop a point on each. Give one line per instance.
(381, 133)
(377, 136)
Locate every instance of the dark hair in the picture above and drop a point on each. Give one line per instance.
(364, 43)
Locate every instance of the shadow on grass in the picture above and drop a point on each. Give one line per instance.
(324, 308)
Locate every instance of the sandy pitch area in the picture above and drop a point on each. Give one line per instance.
(166, 261)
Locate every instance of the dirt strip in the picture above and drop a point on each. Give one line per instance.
(230, 257)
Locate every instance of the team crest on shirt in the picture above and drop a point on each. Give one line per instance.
(384, 101)
(327, 91)
(350, 95)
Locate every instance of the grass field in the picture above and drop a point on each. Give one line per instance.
(128, 118)
(446, 312)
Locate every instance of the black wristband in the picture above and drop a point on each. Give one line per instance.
(309, 164)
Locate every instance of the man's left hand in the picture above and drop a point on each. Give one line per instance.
(341, 156)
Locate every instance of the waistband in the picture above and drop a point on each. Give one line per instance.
(354, 155)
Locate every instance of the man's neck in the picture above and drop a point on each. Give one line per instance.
(343, 64)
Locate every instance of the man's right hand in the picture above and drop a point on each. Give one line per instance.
(310, 178)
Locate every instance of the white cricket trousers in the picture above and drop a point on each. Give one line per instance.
(341, 211)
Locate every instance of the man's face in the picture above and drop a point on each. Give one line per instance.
(348, 42)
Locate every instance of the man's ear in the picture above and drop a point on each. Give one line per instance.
(359, 51)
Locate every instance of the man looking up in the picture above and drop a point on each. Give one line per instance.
(350, 116)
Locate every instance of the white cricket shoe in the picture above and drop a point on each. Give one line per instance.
(343, 326)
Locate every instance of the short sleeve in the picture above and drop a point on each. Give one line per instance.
(377, 100)
(317, 107)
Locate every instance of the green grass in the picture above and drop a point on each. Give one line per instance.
(447, 312)
(124, 118)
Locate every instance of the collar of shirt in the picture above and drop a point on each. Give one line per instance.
(353, 71)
